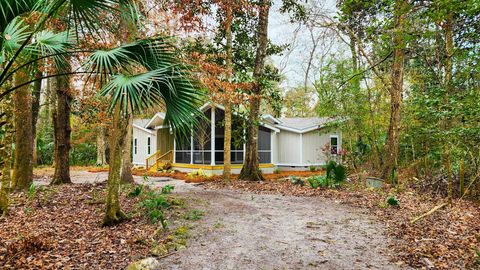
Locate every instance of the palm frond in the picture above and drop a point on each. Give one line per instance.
(83, 16)
(166, 81)
(15, 33)
(49, 43)
(10, 9)
(108, 62)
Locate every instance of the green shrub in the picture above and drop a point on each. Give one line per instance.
(33, 190)
(154, 204)
(137, 190)
(340, 173)
(330, 167)
(393, 201)
(276, 171)
(83, 154)
(167, 189)
(193, 215)
(312, 168)
(312, 182)
(297, 181)
(336, 171)
(322, 181)
(318, 181)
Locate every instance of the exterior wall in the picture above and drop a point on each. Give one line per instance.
(289, 148)
(298, 151)
(312, 144)
(142, 137)
(274, 138)
(164, 140)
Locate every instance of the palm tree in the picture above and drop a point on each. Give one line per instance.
(163, 80)
(135, 76)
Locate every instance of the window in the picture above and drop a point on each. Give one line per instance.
(135, 146)
(149, 145)
(334, 144)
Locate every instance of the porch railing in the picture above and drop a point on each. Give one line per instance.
(158, 158)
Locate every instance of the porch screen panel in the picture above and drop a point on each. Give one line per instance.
(182, 152)
(202, 141)
(264, 145)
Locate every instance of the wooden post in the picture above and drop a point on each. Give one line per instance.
(191, 146)
(212, 141)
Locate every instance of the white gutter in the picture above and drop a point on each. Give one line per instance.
(144, 129)
(300, 131)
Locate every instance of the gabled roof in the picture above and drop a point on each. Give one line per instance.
(141, 124)
(160, 116)
(303, 124)
(292, 124)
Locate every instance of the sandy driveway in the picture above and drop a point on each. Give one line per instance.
(250, 231)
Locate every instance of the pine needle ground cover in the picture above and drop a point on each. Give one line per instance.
(447, 239)
(59, 228)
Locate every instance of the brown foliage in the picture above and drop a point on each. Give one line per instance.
(60, 229)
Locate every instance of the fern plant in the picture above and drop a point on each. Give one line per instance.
(336, 171)
(154, 205)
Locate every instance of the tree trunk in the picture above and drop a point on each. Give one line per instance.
(23, 166)
(127, 176)
(127, 33)
(37, 88)
(227, 164)
(250, 169)
(461, 176)
(396, 91)
(101, 147)
(227, 144)
(113, 213)
(448, 85)
(5, 155)
(62, 131)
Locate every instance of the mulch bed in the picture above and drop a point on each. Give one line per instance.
(447, 239)
(59, 228)
(202, 179)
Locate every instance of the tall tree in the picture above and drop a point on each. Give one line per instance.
(396, 90)
(101, 146)
(250, 169)
(127, 33)
(227, 144)
(133, 92)
(62, 129)
(37, 90)
(5, 154)
(448, 34)
(23, 159)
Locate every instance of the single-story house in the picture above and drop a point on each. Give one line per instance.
(283, 143)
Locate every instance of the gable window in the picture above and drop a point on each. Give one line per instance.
(334, 144)
(149, 146)
(135, 146)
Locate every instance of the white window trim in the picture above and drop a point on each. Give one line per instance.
(135, 146)
(338, 143)
(149, 145)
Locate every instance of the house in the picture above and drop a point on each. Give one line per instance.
(283, 143)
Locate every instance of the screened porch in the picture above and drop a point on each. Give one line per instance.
(207, 141)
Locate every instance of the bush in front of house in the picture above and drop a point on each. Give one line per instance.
(336, 174)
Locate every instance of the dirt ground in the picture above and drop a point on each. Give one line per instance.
(241, 230)
(245, 231)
